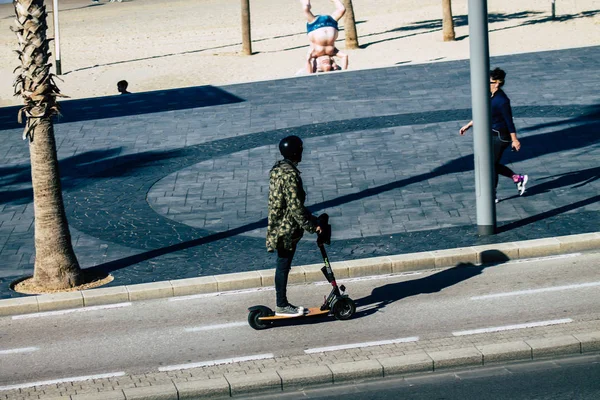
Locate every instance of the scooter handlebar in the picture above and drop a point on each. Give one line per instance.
(325, 236)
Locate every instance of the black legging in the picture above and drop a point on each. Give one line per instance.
(284, 264)
(499, 147)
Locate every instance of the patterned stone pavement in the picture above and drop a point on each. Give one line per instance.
(173, 184)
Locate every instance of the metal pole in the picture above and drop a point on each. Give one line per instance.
(480, 97)
(56, 38)
(553, 9)
(246, 37)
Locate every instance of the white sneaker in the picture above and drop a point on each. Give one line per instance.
(521, 184)
(289, 311)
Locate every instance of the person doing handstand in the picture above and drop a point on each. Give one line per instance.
(322, 33)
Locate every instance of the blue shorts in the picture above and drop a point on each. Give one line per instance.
(322, 21)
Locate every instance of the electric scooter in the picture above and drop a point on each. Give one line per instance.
(338, 303)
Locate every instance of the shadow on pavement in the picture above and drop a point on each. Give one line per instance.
(78, 167)
(547, 214)
(548, 143)
(129, 104)
(382, 296)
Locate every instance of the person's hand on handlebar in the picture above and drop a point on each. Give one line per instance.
(319, 230)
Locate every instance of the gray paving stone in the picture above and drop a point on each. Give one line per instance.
(159, 392)
(504, 352)
(468, 356)
(255, 382)
(203, 389)
(108, 395)
(590, 342)
(406, 364)
(554, 346)
(305, 376)
(356, 370)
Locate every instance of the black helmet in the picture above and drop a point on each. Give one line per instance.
(291, 148)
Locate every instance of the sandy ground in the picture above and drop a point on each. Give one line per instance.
(162, 44)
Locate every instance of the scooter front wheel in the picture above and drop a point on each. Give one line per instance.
(344, 308)
(255, 322)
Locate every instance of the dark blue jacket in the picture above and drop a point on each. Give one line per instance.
(502, 119)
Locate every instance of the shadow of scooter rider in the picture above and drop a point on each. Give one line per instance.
(381, 296)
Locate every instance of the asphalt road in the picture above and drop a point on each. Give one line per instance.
(145, 336)
(566, 379)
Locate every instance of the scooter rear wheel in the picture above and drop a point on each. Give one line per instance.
(344, 308)
(255, 322)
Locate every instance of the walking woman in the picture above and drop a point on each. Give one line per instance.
(504, 133)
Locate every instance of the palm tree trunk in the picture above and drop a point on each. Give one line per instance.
(56, 266)
(350, 26)
(447, 22)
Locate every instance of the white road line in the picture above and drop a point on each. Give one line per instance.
(216, 362)
(534, 291)
(56, 381)
(368, 278)
(270, 289)
(21, 350)
(359, 345)
(212, 327)
(216, 294)
(513, 327)
(535, 259)
(69, 311)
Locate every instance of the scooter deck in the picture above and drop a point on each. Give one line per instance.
(311, 312)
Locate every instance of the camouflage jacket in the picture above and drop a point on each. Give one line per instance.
(288, 218)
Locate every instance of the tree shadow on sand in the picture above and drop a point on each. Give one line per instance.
(435, 25)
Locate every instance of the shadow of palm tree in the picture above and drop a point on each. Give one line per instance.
(73, 169)
(435, 25)
(558, 18)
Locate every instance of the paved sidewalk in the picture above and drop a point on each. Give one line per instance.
(236, 378)
(172, 184)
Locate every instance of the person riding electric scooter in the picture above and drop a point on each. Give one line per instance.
(288, 218)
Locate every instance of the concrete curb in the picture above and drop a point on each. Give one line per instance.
(303, 274)
(294, 379)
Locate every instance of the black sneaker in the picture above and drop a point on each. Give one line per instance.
(289, 311)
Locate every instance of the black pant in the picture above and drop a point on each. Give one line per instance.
(499, 147)
(284, 264)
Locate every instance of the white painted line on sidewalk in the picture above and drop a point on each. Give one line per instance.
(71, 310)
(216, 294)
(513, 327)
(534, 291)
(368, 278)
(270, 289)
(360, 345)
(21, 350)
(547, 258)
(212, 327)
(64, 380)
(216, 362)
